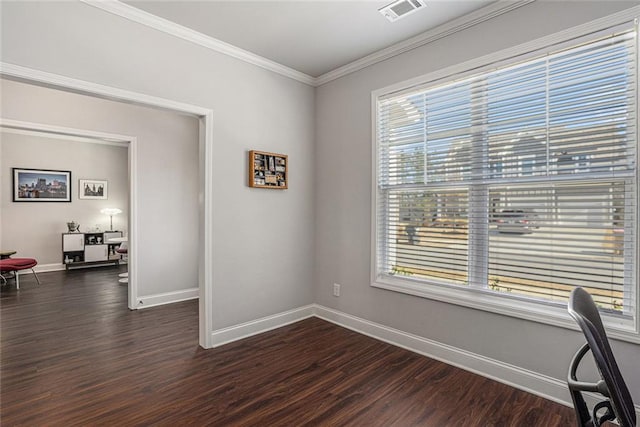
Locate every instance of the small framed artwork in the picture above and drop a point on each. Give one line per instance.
(41, 185)
(268, 170)
(95, 189)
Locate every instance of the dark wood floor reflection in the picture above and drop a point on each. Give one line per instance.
(73, 354)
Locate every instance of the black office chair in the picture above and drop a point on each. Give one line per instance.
(619, 404)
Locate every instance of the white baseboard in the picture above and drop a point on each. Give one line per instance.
(532, 382)
(254, 327)
(43, 268)
(541, 385)
(147, 301)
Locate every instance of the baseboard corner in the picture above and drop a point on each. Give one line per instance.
(227, 335)
(520, 378)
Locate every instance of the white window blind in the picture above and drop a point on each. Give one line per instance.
(520, 181)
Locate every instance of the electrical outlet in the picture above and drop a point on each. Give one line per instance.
(336, 290)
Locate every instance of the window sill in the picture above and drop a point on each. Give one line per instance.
(624, 329)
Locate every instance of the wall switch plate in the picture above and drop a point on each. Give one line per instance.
(336, 290)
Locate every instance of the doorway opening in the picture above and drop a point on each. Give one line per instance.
(94, 243)
(205, 181)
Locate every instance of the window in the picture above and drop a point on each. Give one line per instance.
(514, 185)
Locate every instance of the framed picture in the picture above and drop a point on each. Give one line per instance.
(41, 185)
(268, 170)
(95, 189)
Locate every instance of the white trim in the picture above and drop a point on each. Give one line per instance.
(454, 26)
(514, 376)
(373, 265)
(626, 330)
(258, 326)
(84, 87)
(504, 304)
(205, 243)
(541, 385)
(132, 252)
(523, 379)
(37, 133)
(61, 132)
(43, 268)
(481, 15)
(141, 17)
(32, 76)
(73, 266)
(154, 300)
(619, 18)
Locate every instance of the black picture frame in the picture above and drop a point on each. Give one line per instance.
(41, 185)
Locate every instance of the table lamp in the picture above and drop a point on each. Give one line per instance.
(111, 212)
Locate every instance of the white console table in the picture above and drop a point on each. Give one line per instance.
(90, 249)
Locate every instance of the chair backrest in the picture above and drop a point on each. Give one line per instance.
(585, 312)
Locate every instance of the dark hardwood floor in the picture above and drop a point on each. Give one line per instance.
(73, 354)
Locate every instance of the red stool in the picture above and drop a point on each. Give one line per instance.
(17, 264)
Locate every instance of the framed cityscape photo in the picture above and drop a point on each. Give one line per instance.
(41, 185)
(95, 189)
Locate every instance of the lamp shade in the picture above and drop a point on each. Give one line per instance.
(111, 211)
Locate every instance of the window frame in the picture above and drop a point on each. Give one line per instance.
(619, 327)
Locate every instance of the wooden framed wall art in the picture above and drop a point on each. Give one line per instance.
(268, 170)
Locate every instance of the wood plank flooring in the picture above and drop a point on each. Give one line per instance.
(72, 354)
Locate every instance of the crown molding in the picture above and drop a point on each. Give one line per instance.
(486, 13)
(456, 25)
(599, 25)
(141, 17)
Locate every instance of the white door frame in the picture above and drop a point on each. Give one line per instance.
(205, 115)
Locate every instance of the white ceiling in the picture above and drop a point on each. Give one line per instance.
(310, 36)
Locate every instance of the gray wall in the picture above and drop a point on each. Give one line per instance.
(343, 200)
(167, 175)
(34, 229)
(263, 251)
(269, 243)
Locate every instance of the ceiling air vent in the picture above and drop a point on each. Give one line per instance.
(401, 8)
